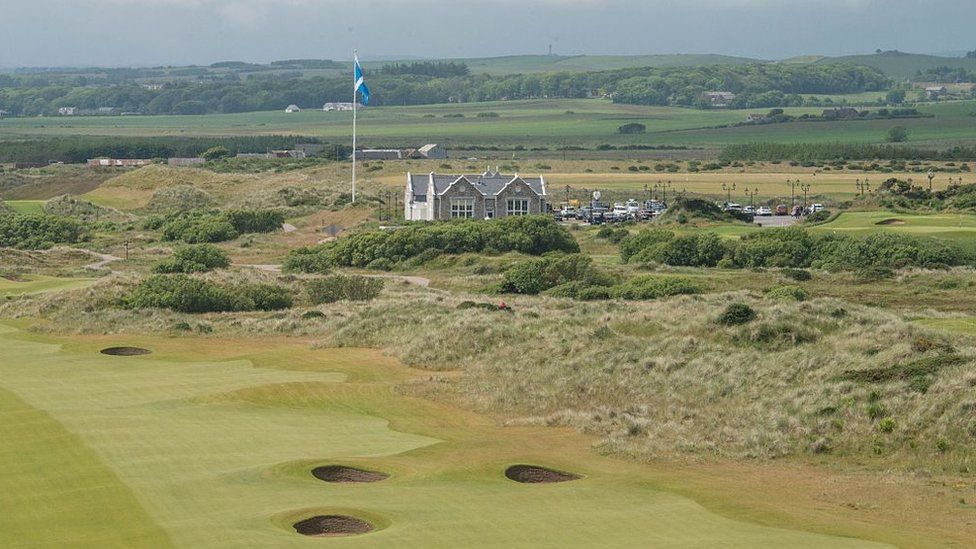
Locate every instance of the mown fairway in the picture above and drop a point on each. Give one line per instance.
(212, 447)
(580, 122)
(957, 227)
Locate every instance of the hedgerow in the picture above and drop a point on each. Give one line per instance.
(201, 226)
(534, 235)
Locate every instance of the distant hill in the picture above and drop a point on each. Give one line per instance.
(515, 64)
(901, 66)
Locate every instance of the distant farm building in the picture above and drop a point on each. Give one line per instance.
(184, 162)
(379, 154)
(310, 149)
(755, 117)
(292, 108)
(720, 98)
(489, 195)
(67, 111)
(3, 113)
(935, 92)
(118, 162)
(329, 107)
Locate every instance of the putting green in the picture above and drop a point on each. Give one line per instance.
(209, 443)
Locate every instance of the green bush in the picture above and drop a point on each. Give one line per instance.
(793, 293)
(797, 274)
(535, 276)
(38, 231)
(651, 287)
(534, 235)
(736, 314)
(210, 226)
(194, 258)
(193, 295)
(343, 288)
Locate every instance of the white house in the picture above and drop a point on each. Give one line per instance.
(720, 98)
(293, 108)
(67, 111)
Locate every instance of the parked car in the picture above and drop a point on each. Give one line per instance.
(764, 211)
(621, 212)
(633, 207)
(749, 210)
(569, 212)
(782, 210)
(816, 208)
(733, 207)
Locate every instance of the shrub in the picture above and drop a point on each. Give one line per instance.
(886, 425)
(38, 231)
(794, 293)
(194, 258)
(535, 276)
(534, 235)
(255, 221)
(632, 128)
(192, 295)
(198, 229)
(341, 287)
(797, 274)
(736, 314)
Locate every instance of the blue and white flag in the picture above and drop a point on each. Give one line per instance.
(361, 83)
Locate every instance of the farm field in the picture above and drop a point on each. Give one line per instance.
(580, 122)
(213, 447)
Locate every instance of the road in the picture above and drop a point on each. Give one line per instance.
(775, 221)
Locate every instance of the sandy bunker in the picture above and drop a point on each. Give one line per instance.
(892, 221)
(341, 473)
(533, 474)
(125, 351)
(332, 525)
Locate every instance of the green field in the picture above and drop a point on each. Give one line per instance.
(957, 227)
(26, 206)
(211, 447)
(582, 122)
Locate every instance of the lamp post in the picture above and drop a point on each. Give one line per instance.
(567, 195)
(862, 186)
(664, 195)
(805, 187)
(657, 186)
(728, 189)
(751, 193)
(647, 193)
(931, 175)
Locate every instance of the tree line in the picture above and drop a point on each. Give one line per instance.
(758, 85)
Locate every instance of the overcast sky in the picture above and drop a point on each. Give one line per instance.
(178, 32)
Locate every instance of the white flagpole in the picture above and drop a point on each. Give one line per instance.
(355, 99)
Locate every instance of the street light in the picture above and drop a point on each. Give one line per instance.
(728, 189)
(793, 184)
(664, 196)
(805, 187)
(931, 175)
(751, 193)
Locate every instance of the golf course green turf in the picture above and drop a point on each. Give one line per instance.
(209, 443)
(32, 284)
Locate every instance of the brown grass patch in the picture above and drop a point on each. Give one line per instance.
(125, 351)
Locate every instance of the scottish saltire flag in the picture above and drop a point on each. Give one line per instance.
(361, 83)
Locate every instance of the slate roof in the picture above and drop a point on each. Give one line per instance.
(488, 183)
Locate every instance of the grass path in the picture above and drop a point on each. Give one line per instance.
(215, 439)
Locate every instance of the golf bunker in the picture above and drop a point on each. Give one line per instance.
(533, 474)
(332, 525)
(341, 473)
(892, 221)
(125, 351)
